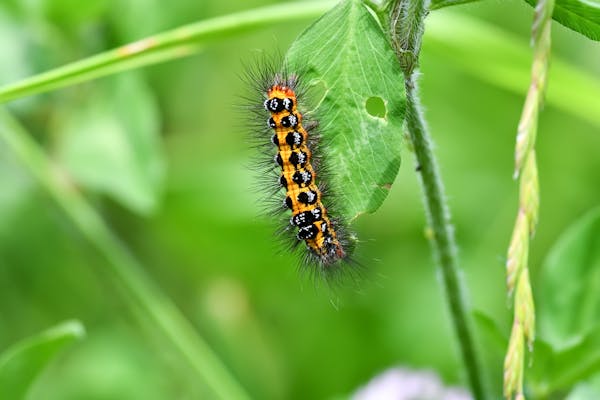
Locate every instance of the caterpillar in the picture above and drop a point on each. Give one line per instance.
(297, 173)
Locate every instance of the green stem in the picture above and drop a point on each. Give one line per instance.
(169, 45)
(442, 239)
(407, 21)
(119, 262)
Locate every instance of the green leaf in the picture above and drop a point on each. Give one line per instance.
(541, 365)
(559, 370)
(129, 26)
(586, 390)
(577, 362)
(492, 342)
(569, 287)
(568, 306)
(495, 338)
(13, 42)
(22, 362)
(111, 145)
(347, 54)
(68, 13)
(582, 16)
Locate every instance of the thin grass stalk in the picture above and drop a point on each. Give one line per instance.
(517, 270)
(165, 46)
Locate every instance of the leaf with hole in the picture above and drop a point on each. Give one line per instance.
(362, 110)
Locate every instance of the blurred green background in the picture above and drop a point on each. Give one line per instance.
(163, 154)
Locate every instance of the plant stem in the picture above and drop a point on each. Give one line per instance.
(146, 298)
(407, 21)
(442, 239)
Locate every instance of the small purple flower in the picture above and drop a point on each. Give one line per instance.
(406, 384)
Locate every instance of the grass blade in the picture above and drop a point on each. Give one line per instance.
(165, 46)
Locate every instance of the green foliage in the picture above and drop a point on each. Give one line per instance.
(23, 362)
(569, 292)
(582, 16)
(569, 309)
(557, 371)
(586, 390)
(355, 64)
(568, 348)
(168, 45)
(195, 228)
(140, 292)
(502, 59)
(495, 339)
(115, 133)
(493, 342)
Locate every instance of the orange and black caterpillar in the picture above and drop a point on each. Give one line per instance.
(298, 176)
(296, 171)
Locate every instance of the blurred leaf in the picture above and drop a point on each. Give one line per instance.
(22, 362)
(577, 362)
(112, 364)
(68, 13)
(569, 286)
(582, 16)
(13, 42)
(494, 336)
(558, 371)
(110, 143)
(542, 363)
(17, 188)
(492, 342)
(569, 309)
(347, 53)
(504, 60)
(124, 16)
(586, 390)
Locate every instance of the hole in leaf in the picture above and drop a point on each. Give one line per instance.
(375, 106)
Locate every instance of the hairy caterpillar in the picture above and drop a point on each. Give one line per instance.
(295, 170)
